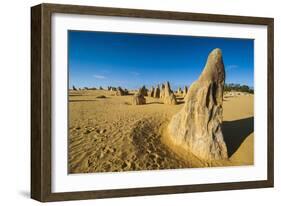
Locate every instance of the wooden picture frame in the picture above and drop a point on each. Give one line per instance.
(41, 172)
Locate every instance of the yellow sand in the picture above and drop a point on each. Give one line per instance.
(109, 134)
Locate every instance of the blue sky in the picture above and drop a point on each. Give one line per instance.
(132, 60)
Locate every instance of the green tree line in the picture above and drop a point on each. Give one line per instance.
(238, 88)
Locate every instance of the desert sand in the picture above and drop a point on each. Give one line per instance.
(107, 133)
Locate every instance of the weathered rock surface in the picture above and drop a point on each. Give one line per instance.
(162, 91)
(169, 97)
(152, 92)
(138, 99)
(143, 91)
(185, 91)
(156, 92)
(197, 127)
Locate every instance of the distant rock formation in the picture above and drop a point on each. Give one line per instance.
(156, 92)
(179, 91)
(185, 91)
(162, 91)
(138, 99)
(121, 92)
(143, 91)
(197, 127)
(169, 97)
(113, 89)
(152, 90)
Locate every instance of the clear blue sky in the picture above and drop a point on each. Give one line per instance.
(132, 60)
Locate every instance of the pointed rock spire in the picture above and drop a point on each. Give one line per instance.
(169, 97)
(197, 127)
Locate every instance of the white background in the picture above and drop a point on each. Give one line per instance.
(15, 102)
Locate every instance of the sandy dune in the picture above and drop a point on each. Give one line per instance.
(109, 134)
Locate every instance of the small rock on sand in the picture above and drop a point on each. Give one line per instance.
(138, 99)
(101, 97)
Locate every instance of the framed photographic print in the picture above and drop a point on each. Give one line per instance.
(132, 102)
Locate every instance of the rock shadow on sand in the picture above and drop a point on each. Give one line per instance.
(235, 132)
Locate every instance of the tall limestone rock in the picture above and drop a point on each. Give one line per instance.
(162, 91)
(156, 92)
(169, 97)
(197, 127)
(152, 90)
(185, 91)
